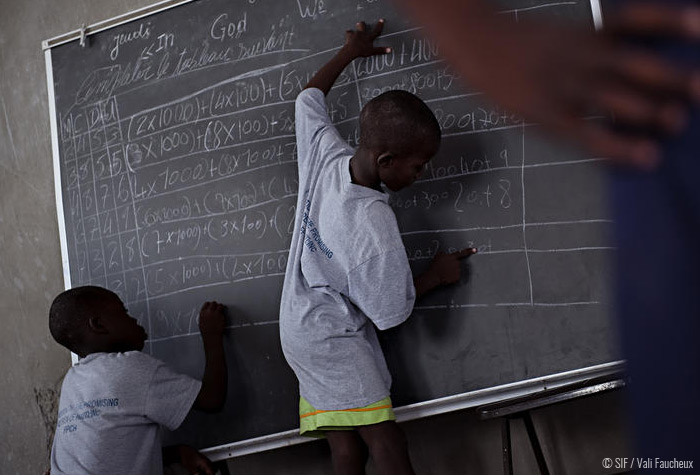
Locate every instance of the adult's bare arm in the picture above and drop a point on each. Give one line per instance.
(555, 75)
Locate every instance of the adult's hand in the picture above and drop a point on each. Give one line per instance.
(556, 76)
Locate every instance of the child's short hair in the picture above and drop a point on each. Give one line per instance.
(396, 120)
(70, 312)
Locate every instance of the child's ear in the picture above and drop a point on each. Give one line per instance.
(95, 325)
(384, 159)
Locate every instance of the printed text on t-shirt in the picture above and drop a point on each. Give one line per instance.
(312, 238)
(82, 411)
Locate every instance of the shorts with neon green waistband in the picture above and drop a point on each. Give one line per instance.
(313, 423)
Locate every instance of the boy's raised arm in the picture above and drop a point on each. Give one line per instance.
(212, 395)
(358, 43)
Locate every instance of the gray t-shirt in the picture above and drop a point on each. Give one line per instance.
(110, 412)
(347, 272)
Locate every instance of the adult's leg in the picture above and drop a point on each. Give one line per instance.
(658, 300)
(348, 452)
(388, 447)
(657, 221)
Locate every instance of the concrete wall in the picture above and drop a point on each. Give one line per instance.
(32, 365)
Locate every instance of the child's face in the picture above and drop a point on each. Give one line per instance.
(402, 171)
(124, 331)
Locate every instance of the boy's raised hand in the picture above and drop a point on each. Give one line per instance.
(211, 319)
(360, 42)
(212, 395)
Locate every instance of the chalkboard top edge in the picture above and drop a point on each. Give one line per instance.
(103, 25)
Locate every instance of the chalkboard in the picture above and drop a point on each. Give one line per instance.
(176, 184)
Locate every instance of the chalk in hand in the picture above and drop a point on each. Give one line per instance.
(466, 252)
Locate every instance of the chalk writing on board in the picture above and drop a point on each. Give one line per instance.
(142, 32)
(224, 27)
(311, 8)
(123, 168)
(176, 139)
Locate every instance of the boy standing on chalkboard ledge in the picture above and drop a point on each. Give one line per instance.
(114, 400)
(348, 270)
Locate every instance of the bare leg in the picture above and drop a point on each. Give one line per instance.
(388, 447)
(348, 451)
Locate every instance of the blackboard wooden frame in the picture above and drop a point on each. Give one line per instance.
(423, 409)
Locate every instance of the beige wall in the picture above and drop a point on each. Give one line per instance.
(32, 365)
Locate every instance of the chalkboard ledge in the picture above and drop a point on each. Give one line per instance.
(428, 408)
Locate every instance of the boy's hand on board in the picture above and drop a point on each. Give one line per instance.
(359, 43)
(211, 319)
(446, 268)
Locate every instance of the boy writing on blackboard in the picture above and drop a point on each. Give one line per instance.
(115, 399)
(348, 270)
